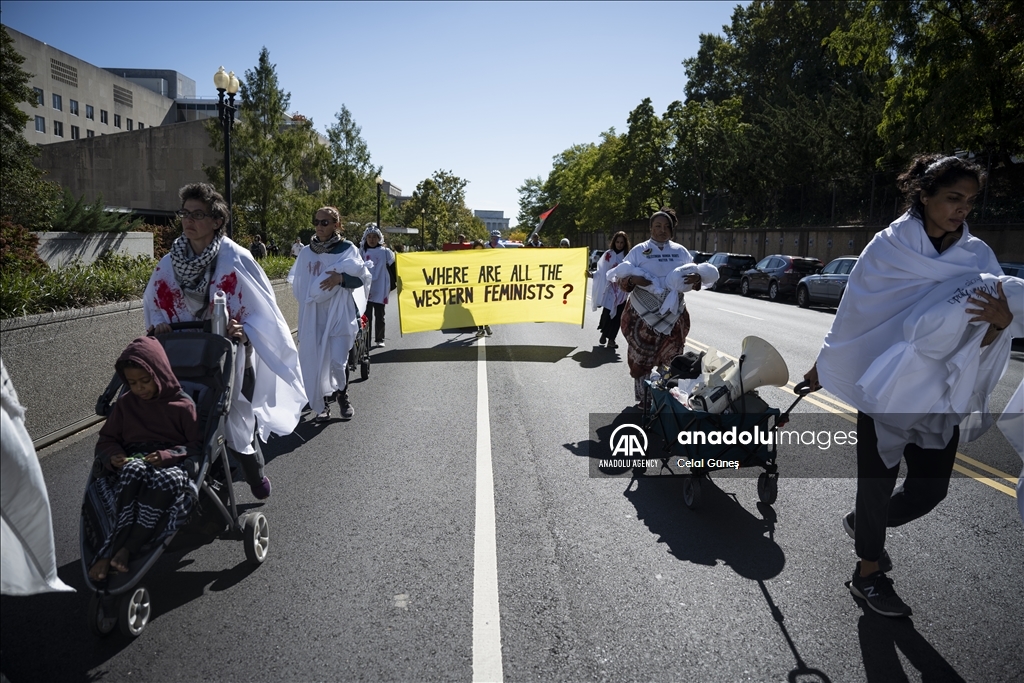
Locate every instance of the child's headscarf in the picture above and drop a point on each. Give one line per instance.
(368, 231)
(149, 354)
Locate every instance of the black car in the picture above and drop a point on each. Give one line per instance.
(828, 286)
(700, 256)
(777, 275)
(730, 269)
(1011, 268)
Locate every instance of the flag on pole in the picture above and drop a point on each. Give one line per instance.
(543, 217)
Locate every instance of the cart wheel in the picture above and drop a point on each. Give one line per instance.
(102, 616)
(256, 537)
(691, 492)
(133, 612)
(364, 369)
(767, 487)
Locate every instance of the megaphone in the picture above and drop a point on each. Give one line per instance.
(723, 382)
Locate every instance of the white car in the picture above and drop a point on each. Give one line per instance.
(595, 256)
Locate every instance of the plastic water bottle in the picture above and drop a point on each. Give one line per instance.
(219, 324)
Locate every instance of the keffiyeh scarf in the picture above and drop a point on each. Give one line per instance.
(319, 247)
(193, 273)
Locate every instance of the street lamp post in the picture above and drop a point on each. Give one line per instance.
(226, 82)
(380, 183)
(423, 214)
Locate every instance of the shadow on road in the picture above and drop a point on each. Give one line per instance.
(801, 672)
(448, 353)
(47, 637)
(597, 357)
(721, 530)
(880, 637)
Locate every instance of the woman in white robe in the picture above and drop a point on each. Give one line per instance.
(380, 260)
(888, 334)
(608, 296)
(330, 281)
(268, 388)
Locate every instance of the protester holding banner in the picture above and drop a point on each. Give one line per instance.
(656, 273)
(920, 341)
(330, 280)
(381, 262)
(495, 241)
(609, 296)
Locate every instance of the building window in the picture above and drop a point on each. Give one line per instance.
(103, 116)
(40, 124)
(73, 107)
(89, 134)
(117, 120)
(57, 103)
(58, 129)
(39, 96)
(75, 133)
(141, 125)
(129, 125)
(90, 113)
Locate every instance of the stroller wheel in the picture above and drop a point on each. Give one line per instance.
(133, 612)
(364, 368)
(767, 487)
(691, 491)
(256, 537)
(102, 616)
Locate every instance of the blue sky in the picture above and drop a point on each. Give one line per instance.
(490, 91)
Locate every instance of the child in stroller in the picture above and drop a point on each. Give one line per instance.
(156, 422)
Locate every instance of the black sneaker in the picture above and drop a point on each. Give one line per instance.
(346, 409)
(603, 340)
(850, 525)
(876, 590)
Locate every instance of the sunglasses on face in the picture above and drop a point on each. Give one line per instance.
(325, 222)
(194, 215)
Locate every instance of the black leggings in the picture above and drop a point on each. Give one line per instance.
(878, 505)
(609, 324)
(376, 328)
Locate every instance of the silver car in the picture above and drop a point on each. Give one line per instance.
(828, 286)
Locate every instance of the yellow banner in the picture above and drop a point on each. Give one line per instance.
(470, 287)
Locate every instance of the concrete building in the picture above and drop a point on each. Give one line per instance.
(77, 100)
(494, 220)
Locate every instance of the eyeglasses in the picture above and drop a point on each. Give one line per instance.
(194, 215)
(325, 222)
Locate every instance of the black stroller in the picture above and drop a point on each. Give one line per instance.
(204, 365)
(359, 356)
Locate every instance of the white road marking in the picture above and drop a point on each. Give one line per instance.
(738, 313)
(486, 616)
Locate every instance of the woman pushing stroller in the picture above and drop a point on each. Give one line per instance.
(150, 430)
(269, 396)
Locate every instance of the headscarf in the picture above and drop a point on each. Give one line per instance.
(369, 231)
(149, 354)
(193, 272)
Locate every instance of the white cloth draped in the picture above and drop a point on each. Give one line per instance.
(1011, 424)
(901, 349)
(28, 562)
(278, 396)
(328, 319)
(604, 293)
(377, 259)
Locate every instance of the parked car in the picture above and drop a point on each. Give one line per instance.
(730, 269)
(777, 275)
(1011, 268)
(700, 256)
(828, 286)
(595, 256)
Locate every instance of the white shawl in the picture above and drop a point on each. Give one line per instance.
(605, 293)
(326, 314)
(278, 396)
(28, 562)
(888, 333)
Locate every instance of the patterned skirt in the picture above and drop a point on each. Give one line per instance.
(145, 503)
(647, 347)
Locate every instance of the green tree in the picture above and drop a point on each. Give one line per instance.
(952, 71)
(350, 173)
(641, 163)
(439, 204)
(275, 158)
(25, 197)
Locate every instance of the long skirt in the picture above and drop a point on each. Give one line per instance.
(147, 502)
(610, 323)
(648, 348)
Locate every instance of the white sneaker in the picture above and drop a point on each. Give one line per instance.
(380, 344)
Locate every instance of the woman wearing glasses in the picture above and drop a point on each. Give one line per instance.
(330, 280)
(269, 395)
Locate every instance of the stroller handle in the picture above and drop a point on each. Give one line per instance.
(803, 389)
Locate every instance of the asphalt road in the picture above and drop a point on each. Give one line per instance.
(378, 566)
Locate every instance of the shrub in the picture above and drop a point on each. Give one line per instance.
(277, 267)
(163, 237)
(111, 278)
(74, 215)
(18, 249)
